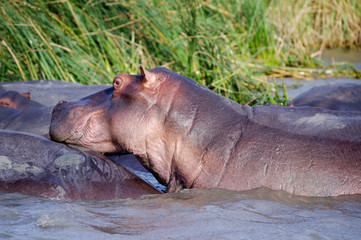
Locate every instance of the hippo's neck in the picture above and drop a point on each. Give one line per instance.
(196, 121)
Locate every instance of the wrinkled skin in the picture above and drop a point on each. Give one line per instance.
(18, 112)
(341, 97)
(48, 169)
(190, 137)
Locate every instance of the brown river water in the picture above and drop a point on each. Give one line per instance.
(191, 214)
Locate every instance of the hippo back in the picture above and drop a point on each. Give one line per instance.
(34, 165)
(341, 97)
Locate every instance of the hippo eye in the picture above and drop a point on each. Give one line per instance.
(117, 84)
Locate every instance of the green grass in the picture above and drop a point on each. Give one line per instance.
(234, 47)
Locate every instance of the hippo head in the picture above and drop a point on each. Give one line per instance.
(17, 100)
(91, 121)
(128, 116)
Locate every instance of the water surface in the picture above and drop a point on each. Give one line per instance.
(338, 55)
(191, 214)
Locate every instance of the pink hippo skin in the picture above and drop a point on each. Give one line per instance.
(190, 137)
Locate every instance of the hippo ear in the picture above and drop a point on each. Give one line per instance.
(26, 94)
(148, 78)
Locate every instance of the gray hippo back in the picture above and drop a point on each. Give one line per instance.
(341, 97)
(34, 165)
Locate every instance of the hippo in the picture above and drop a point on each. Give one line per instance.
(16, 100)
(7, 115)
(191, 137)
(341, 97)
(20, 113)
(33, 115)
(49, 92)
(34, 165)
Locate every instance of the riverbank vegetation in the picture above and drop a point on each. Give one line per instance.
(234, 47)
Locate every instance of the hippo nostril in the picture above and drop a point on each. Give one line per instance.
(59, 107)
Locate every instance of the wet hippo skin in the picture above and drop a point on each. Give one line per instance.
(341, 97)
(17, 100)
(7, 115)
(33, 115)
(49, 92)
(20, 113)
(190, 137)
(31, 164)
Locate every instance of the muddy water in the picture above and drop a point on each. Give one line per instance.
(338, 55)
(191, 214)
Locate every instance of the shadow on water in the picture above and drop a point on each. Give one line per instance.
(190, 214)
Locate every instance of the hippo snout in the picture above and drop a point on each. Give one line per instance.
(66, 119)
(58, 109)
(58, 130)
(83, 122)
(60, 106)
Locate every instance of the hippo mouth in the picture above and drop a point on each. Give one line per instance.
(86, 135)
(74, 131)
(72, 136)
(84, 122)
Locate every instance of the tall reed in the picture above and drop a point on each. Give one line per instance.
(232, 46)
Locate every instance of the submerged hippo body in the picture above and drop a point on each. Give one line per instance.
(17, 100)
(33, 115)
(190, 137)
(340, 97)
(7, 115)
(49, 92)
(19, 113)
(34, 165)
